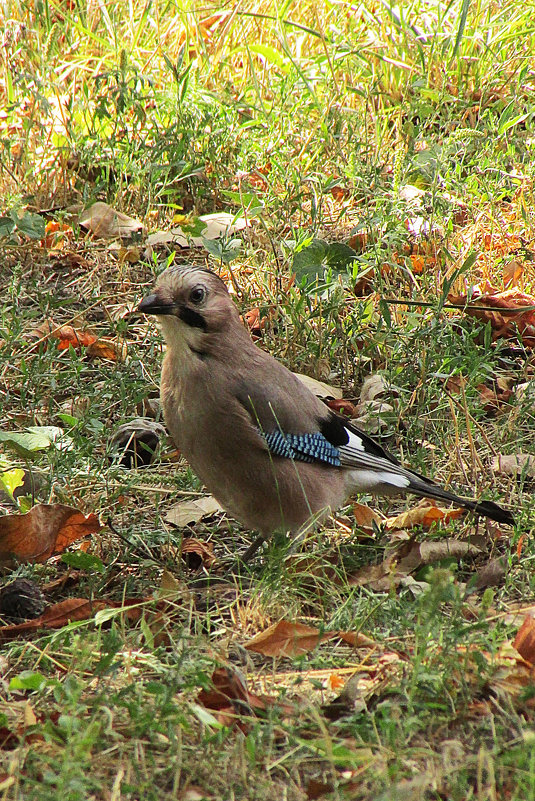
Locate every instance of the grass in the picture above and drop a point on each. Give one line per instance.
(320, 115)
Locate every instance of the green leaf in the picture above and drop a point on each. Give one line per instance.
(247, 200)
(27, 680)
(25, 443)
(33, 225)
(56, 436)
(225, 251)
(83, 561)
(271, 55)
(7, 226)
(319, 256)
(194, 227)
(10, 480)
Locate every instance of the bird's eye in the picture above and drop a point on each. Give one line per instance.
(197, 295)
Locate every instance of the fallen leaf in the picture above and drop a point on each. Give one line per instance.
(288, 639)
(204, 551)
(64, 612)
(319, 388)
(69, 336)
(491, 574)
(356, 639)
(45, 530)
(365, 517)
(524, 641)
(135, 443)
(425, 514)
(512, 273)
(56, 235)
(112, 350)
(380, 578)
(188, 512)
(341, 406)
(210, 226)
(503, 310)
(230, 698)
(106, 223)
(514, 464)
(427, 553)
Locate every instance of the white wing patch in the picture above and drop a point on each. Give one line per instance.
(371, 473)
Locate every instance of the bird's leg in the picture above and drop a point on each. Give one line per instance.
(252, 549)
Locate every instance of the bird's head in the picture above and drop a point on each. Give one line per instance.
(191, 304)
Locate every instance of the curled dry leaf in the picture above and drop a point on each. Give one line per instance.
(106, 223)
(365, 517)
(374, 387)
(45, 530)
(230, 698)
(56, 235)
(425, 514)
(410, 556)
(508, 312)
(524, 641)
(341, 406)
(135, 443)
(202, 552)
(514, 464)
(72, 609)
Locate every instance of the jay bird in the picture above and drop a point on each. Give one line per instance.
(267, 448)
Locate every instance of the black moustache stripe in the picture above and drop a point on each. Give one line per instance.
(192, 318)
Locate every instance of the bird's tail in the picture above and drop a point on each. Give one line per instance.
(488, 509)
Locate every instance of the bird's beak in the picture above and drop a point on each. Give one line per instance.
(153, 304)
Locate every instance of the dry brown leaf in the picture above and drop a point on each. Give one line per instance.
(380, 578)
(356, 639)
(288, 639)
(514, 464)
(45, 530)
(492, 573)
(188, 512)
(221, 223)
(72, 609)
(106, 223)
(366, 517)
(512, 273)
(230, 698)
(503, 311)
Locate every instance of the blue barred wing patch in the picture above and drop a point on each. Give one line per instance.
(302, 447)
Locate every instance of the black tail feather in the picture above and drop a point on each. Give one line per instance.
(484, 508)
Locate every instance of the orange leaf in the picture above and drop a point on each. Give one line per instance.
(425, 514)
(287, 639)
(504, 312)
(524, 641)
(342, 406)
(45, 530)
